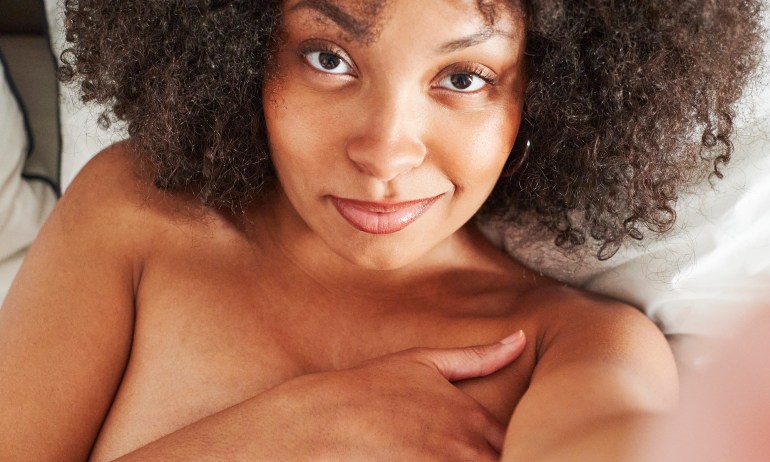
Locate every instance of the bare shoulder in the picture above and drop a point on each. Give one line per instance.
(566, 325)
(75, 296)
(119, 181)
(105, 197)
(574, 312)
(564, 310)
(114, 175)
(579, 328)
(114, 195)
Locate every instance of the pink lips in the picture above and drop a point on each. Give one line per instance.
(382, 218)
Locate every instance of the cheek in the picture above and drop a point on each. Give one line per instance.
(299, 133)
(479, 145)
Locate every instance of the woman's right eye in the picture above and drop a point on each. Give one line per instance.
(328, 62)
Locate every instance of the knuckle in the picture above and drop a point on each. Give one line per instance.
(483, 421)
(416, 352)
(477, 352)
(475, 355)
(412, 354)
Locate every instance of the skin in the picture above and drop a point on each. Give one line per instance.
(287, 334)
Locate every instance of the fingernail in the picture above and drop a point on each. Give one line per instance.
(513, 338)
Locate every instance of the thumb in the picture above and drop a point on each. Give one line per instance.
(474, 361)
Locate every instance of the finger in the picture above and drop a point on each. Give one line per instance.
(489, 427)
(474, 361)
(496, 435)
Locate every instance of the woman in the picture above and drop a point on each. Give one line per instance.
(279, 264)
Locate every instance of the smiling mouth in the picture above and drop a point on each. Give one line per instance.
(380, 217)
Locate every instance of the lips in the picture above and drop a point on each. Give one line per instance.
(380, 217)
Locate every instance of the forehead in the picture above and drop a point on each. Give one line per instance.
(364, 19)
(361, 18)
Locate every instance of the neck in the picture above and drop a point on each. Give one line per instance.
(281, 234)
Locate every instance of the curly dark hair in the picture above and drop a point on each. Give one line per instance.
(628, 101)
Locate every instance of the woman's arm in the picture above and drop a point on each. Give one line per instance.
(66, 324)
(604, 372)
(397, 407)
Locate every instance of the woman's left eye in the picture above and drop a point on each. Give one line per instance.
(327, 62)
(466, 83)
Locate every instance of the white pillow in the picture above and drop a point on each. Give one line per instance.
(81, 137)
(24, 205)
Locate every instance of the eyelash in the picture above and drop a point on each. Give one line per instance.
(462, 68)
(473, 69)
(322, 47)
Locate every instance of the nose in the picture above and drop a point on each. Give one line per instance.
(388, 142)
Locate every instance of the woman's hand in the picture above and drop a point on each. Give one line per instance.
(401, 406)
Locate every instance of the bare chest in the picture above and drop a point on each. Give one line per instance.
(206, 340)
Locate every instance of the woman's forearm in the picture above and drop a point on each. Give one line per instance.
(348, 414)
(246, 431)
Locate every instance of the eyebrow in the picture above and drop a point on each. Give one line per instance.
(343, 19)
(468, 41)
(359, 30)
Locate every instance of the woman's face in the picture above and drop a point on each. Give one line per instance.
(389, 126)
